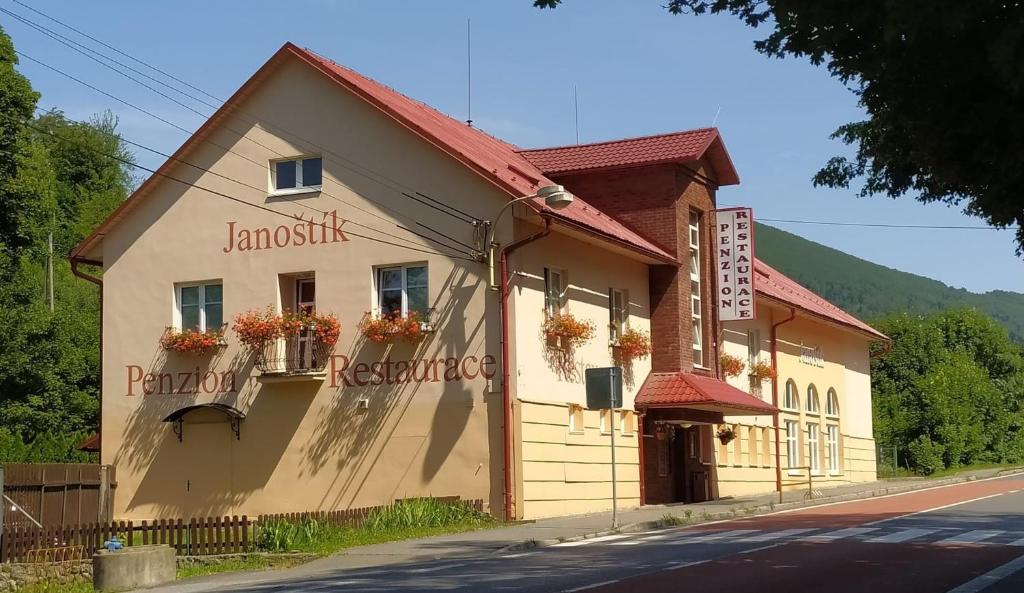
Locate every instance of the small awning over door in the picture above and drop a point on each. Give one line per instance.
(235, 417)
(686, 390)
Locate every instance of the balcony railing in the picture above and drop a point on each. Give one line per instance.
(301, 353)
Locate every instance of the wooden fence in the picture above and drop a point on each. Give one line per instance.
(189, 537)
(57, 494)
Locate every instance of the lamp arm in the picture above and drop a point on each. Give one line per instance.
(494, 224)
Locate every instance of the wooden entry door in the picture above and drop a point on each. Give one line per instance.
(696, 477)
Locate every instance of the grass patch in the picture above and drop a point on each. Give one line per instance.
(952, 471)
(75, 586)
(406, 519)
(244, 562)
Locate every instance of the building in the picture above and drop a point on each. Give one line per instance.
(316, 189)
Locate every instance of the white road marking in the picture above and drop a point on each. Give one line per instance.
(592, 540)
(839, 534)
(436, 568)
(711, 537)
(939, 508)
(767, 537)
(1017, 542)
(591, 586)
(762, 548)
(519, 555)
(971, 537)
(901, 536)
(991, 577)
(683, 564)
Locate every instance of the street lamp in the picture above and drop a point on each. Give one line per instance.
(555, 197)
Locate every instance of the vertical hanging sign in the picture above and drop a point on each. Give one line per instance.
(734, 242)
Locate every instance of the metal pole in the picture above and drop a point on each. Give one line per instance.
(49, 269)
(615, 503)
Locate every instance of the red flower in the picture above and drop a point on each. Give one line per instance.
(190, 341)
(573, 332)
(732, 366)
(632, 344)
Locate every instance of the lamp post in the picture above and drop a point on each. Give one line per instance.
(555, 197)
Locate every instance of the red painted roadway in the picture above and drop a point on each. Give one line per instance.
(842, 566)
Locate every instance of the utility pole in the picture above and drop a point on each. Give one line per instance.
(49, 269)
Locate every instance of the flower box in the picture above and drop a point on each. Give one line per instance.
(192, 341)
(631, 345)
(731, 366)
(725, 435)
(388, 329)
(565, 330)
(762, 371)
(288, 343)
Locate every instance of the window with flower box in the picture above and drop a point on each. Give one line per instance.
(402, 290)
(200, 306)
(554, 291)
(618, 314)
(296, 175)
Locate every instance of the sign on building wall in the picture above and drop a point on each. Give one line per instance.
(735, 247)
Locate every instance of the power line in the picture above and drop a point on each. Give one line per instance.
(258, 164)
(251, 119)
(891, 226)
(291, 217)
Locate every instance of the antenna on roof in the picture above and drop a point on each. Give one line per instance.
(469, 76)
(715, 121)
(576, 107)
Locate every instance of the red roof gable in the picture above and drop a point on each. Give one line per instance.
(494, 159)
(688, 146)
(773, 284)
(696, 391)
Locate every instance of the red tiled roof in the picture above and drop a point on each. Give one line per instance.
(696, 391)
(774, 284)
(91, 444)
(678, 147)
(494, 159)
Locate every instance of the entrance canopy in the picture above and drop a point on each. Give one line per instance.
(686, 390)
(235, 417)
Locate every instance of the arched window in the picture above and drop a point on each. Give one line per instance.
(791, 401)
(832, 403)
(812, 406)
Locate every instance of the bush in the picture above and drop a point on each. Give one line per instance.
(926, 455)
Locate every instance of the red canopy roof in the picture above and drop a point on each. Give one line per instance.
(699, 392)
(773, 284)
(688, 146)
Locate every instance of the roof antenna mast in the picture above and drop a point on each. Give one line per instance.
(469, 75)
(576, 108)
(714, 122)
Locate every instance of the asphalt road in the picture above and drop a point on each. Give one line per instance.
(963, 538)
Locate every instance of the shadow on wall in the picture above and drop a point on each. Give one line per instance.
(389, 439)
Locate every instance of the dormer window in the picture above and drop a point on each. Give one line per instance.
(298, 175)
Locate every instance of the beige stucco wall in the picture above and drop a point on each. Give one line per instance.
(845, 368)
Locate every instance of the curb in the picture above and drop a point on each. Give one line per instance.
(752, 511)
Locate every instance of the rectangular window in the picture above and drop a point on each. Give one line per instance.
(792, 446)
(832, 440)
(606, 421)
(616, 313)
(626, 420)
(812, 447)
(695, 289)
(753, 347)
(200, 306)
(575, 418)
(296, 175)
(402, 290)
(554, 288)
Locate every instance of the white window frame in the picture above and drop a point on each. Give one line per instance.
(832, 403)
(696, 285)
(753, 347)
(618, 317)
(553, 298)
(606, 422)
(813, 452)
(791, 397)
(575, 416)
(627, 428)
(792, 445)
(202, 303)
(379, 293)
(813, 404)
(299, 188)
(832, 442)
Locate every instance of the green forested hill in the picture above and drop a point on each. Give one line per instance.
(869, 290)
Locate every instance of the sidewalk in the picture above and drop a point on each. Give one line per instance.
(545, 532)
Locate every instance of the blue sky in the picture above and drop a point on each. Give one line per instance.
(638, 71)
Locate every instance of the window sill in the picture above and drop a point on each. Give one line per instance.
(576, 432)
(295, 191)
(794, 472)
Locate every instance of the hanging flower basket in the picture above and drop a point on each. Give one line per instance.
(191, 341)
(569, 331)
(762, 371)
(386, 329)
(732, 366)
(725, 435)
(631, 345)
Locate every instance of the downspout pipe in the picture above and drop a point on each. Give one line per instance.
(99, 283)
(506, 394)
(775, 398)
